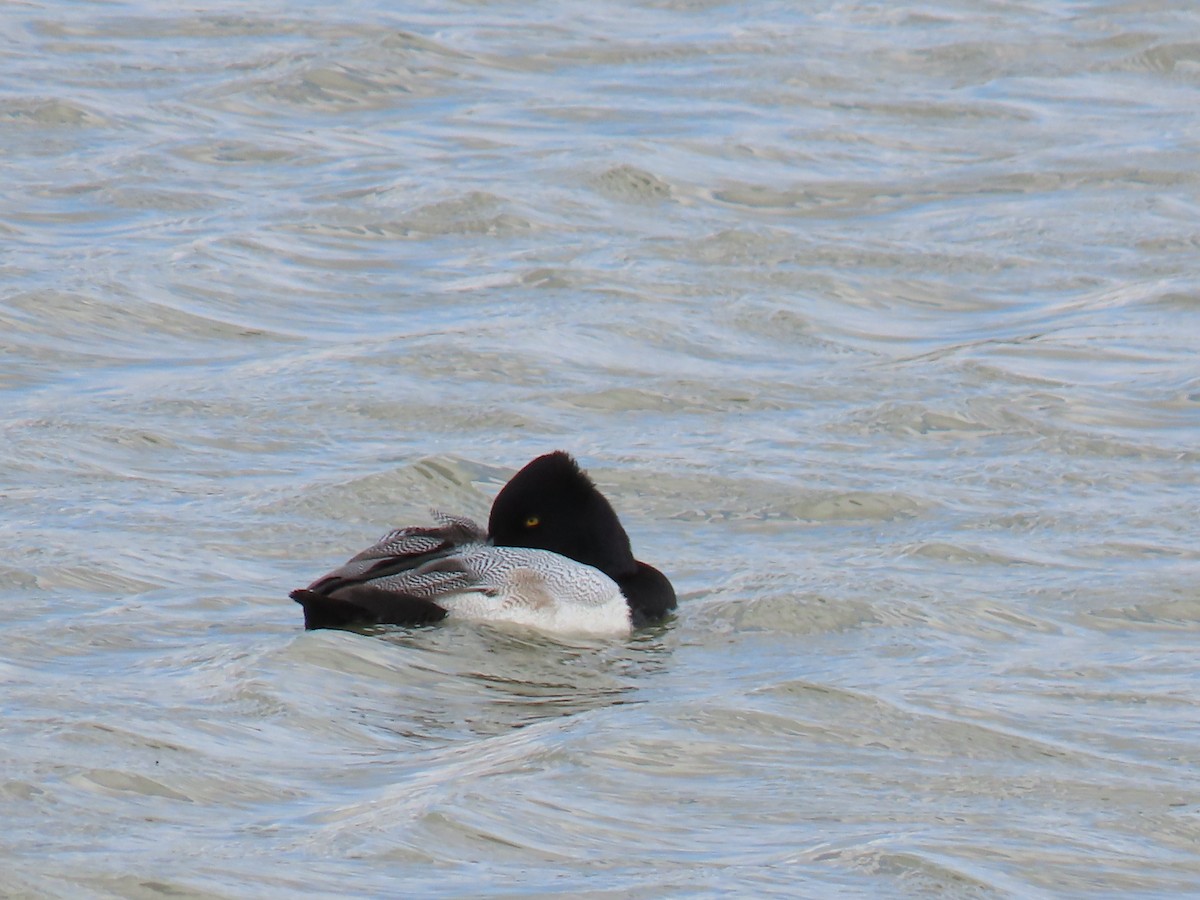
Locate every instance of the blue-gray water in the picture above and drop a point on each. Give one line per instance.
(879, 324)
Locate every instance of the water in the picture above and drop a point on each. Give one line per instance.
(878, 324)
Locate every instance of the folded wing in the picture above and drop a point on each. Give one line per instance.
(394, 581)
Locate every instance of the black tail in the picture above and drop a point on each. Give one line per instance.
(361, 604)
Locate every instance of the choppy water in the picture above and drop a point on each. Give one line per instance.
(878, 323)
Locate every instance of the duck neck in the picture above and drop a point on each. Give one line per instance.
(648, 592)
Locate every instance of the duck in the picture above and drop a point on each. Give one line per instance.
(554, 557)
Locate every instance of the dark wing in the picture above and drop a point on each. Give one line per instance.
(400, 551)
(394, 581)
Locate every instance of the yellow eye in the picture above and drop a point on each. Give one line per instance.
(532, 522)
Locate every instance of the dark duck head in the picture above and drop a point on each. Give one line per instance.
(551, 504)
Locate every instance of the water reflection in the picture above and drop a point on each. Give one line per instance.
(455, 681)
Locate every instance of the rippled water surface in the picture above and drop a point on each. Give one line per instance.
(879, 324)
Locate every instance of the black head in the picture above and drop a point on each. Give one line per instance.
(552, 505)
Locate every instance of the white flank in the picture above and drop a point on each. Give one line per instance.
(538, 589)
